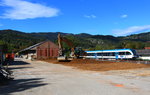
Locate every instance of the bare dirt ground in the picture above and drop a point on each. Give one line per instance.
(97, 65)
(43, 78)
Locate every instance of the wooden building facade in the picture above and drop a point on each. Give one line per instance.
(42, 50)
(47, 50)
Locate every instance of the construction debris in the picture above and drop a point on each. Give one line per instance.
(5, 75)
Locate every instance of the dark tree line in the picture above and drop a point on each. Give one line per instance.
(16, 40)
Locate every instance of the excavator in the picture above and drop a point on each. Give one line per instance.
(76, 52)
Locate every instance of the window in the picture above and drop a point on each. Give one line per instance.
(99, 54)
(90, 54)
(106, 54)
(134, 52)
(128, 53)
(112, 54)
(122, 53)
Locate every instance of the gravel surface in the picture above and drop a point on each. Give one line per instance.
(99, 65)
(42, 78)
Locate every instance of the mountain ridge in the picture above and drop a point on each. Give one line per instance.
(17, 40)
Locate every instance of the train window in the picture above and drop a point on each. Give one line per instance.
(90, 54)
(134, 52)
(128, 53)
(99, 54)
(106, 54)
(112, 54)
(122, 53)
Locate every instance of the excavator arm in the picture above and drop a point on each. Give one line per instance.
(75, 52)
(60, 52)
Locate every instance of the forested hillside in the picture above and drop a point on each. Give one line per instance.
(17, 40)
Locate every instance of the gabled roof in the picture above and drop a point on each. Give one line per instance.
(33, 46)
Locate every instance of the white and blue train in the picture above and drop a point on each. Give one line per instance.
(112, 54)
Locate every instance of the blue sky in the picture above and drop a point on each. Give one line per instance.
(103, 17)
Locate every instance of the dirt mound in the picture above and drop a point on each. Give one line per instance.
(97, 65)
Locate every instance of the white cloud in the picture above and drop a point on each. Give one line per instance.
(131, 30)
(90, 16)
(21, 9)
(124, 16)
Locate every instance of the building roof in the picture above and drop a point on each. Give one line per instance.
(33, 47)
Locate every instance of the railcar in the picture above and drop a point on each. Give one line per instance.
(112, 54)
